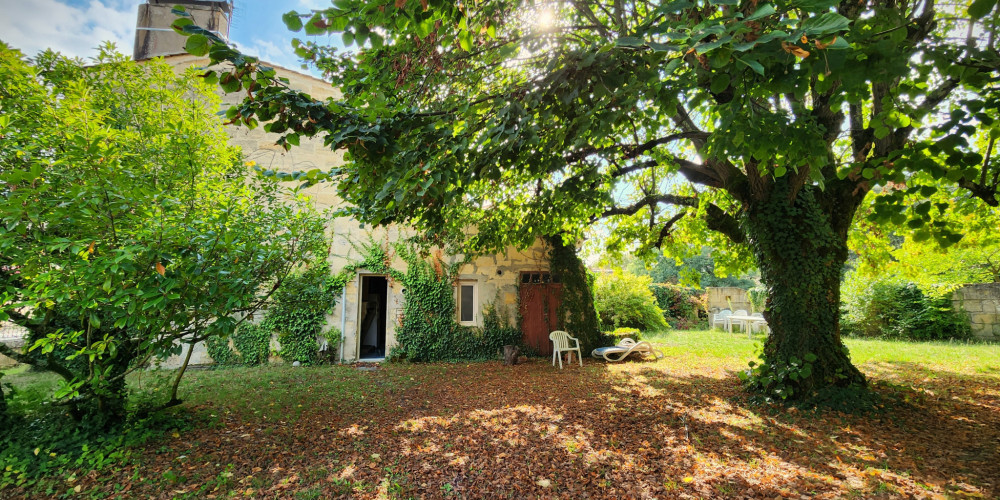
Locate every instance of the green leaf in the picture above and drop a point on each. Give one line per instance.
(197, 45)
(315, 25)
(629, 41)
(814, 5)
(292, 20)
(348, 38)
(762, 11)
(662, 47)
(754, 65)
(780, 171)
(720, 82)
(825, 24)
(292, 139)
(179, 24)
(465, 41)
(980, 8)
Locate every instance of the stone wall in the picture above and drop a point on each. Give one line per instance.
(981, 304)
(726, 297)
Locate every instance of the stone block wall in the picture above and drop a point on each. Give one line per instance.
(980, 302)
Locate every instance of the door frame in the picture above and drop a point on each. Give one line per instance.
(357, 319)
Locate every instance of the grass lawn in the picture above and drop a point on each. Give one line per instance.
(675, 428)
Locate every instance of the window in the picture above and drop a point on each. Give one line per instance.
(467, 302)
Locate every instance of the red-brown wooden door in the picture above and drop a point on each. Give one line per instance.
(541, 293)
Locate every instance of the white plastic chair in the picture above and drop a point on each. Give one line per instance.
(741, 323)
(560, 344)
(720, 318)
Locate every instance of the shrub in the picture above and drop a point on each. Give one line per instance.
(624, 299)
(618, 334)
(899, 310)
(682, 307)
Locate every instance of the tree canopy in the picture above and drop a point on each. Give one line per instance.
(751, 126)
(128, 226)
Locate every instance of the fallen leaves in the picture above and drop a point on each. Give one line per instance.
(627, 431)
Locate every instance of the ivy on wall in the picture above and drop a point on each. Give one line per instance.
(428, 330)
(577, 314)
(297, 315)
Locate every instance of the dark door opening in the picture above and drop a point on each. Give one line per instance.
(541, 293)
(374, 298)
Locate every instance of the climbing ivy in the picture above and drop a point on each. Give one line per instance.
(428, 330)
(577, 314)
(251, 346)
(297, 314)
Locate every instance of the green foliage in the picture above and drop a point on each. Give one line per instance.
(41, 445)
(757, 296)
(779, 379)
(888, 308)
(625, 300)
(616, 335)
(134, 228)
(298, 313)
(577, 309)
(697, 270)
(682, 307)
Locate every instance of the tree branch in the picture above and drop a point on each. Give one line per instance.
(719, 220)
(652, 200)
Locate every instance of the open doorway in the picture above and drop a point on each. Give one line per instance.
(374, 299)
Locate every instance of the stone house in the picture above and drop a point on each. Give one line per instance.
(371, 304)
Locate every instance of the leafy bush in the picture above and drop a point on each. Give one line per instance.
(899, 310)
(682, 307)
(624, 299)
(615, 336)
(41, 446)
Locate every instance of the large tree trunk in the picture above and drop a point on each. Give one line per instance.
(800, 243)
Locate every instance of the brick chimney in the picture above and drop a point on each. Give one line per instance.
(154, 37)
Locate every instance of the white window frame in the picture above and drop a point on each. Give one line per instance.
(475, 302)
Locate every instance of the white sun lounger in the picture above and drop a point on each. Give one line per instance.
(624, 349)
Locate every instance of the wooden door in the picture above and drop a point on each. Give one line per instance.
(541, 294)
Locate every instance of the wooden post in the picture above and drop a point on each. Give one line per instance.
(510, 353)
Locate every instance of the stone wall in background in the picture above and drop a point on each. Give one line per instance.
(981, 303)
(725, 297)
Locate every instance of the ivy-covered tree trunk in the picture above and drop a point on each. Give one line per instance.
(577, 314)
(800, 242)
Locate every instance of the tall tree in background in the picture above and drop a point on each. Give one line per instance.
(753, 126)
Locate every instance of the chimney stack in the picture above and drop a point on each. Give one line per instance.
(154, 37)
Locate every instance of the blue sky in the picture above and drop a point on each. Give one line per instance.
(77, 27)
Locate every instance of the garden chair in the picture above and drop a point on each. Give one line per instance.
(757, 324)
(560, 344)
(720, 318)
(740, 323)
(624, 349)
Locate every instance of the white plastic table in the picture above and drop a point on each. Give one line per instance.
(745, 322)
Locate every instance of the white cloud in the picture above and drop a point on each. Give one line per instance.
(72, 30)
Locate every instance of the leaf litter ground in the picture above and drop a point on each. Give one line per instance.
(675, 428)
